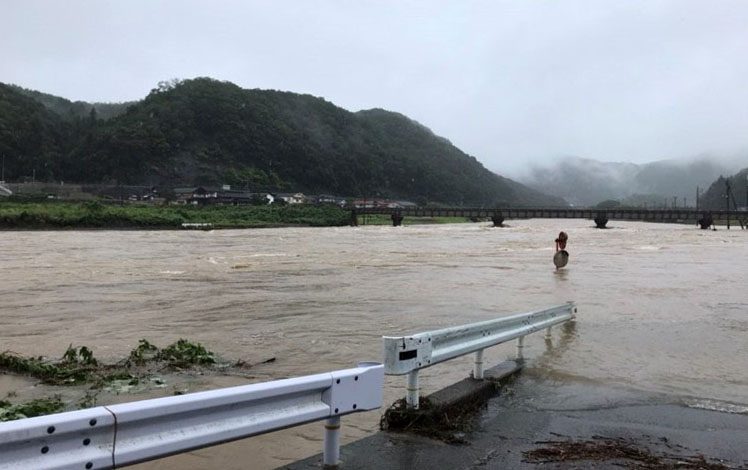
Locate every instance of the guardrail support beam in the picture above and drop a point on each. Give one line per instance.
(478, 365)
(331, 455)
(412, 396)
(520, 347)
(548, 335)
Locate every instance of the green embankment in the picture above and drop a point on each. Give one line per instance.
(62, 215)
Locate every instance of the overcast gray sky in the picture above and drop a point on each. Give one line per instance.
(513, 83)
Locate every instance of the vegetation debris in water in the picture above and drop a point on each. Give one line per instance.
(65, 372)
(141, 371)
(445, 424)
(39, 407)
(78, 365)
(185, 353)
(602, 449)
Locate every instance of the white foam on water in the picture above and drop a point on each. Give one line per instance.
(267, 255)
(721, 406)
(649, 248)
(171, 272)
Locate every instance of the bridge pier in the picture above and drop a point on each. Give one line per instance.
(601, 219)
(397, 219)
(498, 220)
(706, 221)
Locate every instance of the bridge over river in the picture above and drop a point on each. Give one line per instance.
(704, 218)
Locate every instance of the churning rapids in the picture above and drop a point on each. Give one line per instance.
(662, 308)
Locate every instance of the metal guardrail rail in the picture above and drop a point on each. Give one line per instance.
(409, 354)
(129, 433)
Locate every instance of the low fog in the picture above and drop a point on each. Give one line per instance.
(584, 182)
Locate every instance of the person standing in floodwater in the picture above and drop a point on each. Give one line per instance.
(562, 256)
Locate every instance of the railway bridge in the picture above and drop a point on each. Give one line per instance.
(703, 218)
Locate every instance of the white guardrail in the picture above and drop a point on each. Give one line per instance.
(409, 354)
(129, 433)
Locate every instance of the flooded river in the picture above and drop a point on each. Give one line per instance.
(663, 309)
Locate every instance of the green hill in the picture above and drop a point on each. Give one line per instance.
(203, 131)
(72, 110)
(714, 197)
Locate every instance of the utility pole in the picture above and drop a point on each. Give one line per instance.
(727, 200)
(697, 198)
(675, 202)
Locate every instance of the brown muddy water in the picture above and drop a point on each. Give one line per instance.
(663, 309)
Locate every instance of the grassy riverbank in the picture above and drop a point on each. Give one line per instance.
(69, 215)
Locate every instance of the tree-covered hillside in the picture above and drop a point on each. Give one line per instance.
(714, 197)
(73, 110)
(203, 131)
(33, 140)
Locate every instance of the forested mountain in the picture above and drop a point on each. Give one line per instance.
(586, 182)
(72, 110)
(203, 131)
(714, 197)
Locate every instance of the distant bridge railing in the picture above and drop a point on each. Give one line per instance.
(409, 354)
(601, 216)
(129, 433)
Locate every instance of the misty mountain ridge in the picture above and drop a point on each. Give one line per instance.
(714, 197)
(207, 132)
(586, 182)
(70, 110)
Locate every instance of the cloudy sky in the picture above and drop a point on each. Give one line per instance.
(514, 83)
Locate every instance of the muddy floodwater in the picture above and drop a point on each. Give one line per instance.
(663, 309)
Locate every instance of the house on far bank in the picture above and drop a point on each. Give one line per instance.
(328, 199)
(382, 204)
(291, 198)
(202, 195)
(195, 195)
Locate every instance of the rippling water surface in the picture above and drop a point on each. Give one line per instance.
(662, 308)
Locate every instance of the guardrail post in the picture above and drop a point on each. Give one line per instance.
(331, 454)
(548, 334)
(412, 397)
(478, 365)
(520, 346)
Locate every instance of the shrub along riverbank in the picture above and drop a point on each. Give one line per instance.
(71, 215)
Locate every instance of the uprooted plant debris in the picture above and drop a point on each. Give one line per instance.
(139, 371)
(625, 453)
(447, 424)
(38, 407)
(79, 366)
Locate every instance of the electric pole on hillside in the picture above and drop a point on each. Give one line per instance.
(697, 198)
(727, 200)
